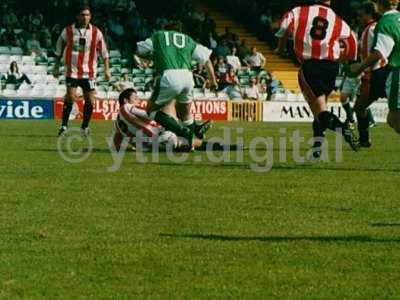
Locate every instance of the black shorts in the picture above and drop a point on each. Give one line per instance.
(319, 76)
(87, 85)
(378, 83)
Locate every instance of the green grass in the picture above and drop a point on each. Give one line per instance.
(197, 230)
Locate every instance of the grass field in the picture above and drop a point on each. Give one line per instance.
(196, 230)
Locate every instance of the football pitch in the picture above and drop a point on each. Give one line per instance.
(197, 229)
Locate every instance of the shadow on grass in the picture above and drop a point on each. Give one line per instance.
(283, 239)
(34, 136)
(385, 224)
(191, 161)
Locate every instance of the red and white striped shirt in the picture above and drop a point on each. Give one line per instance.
(366, 44)
(80, 48)
(316, 32)
(130, 121)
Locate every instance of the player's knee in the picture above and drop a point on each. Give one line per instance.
(70, 97)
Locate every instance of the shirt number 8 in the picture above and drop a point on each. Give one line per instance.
(318, 30)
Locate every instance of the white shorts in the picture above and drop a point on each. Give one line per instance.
(393, 90)
(351, 86)
(173, 84)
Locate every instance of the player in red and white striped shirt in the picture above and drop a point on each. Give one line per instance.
(79, 45)
(316, 32)
(373, 81)
(135, 125)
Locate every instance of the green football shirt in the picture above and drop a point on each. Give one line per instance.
(172, 50)
(387, 37)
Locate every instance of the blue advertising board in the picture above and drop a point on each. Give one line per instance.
(37, 109)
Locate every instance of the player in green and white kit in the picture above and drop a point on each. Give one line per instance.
(173, 53)
(387, 45)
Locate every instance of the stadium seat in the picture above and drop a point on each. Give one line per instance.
(100, 69)
(115, 61)
(16, 51)
(124, 62)
(114, 79)
(39, 69)
(28, 60)
(60, 93)
(40, 86)
(102, 94)
(50, 91)
(138, 80)
(9, 93)
(113, 95)
(125, 70)
(4, 68)
(138, 72)
(37, 93)
(244, 81)
(24, 93)
(5, 50)
(115, 71)
(222, 96)
(4, 59)
(149, 71)
(10, 86)
(115, 53)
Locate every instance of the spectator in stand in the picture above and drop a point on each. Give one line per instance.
(208, 24)
(211, 41)
(45, 37)
(256, 61)
(144, 30)
(161, 22)
(35, 20)
(124, 83)
(233, 60)
(252, 92)
(55, 33)
(265, 30)
(14, 76)
(131, 7)
(10, 38)
(243, 50)
(10, 18)
(116, 30)
(222, 49)
(231, 86)
(200, 77)
(33, 46)
(221, 68)
(229, 37)
(134, 22)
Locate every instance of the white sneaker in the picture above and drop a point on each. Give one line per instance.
(85, 132)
